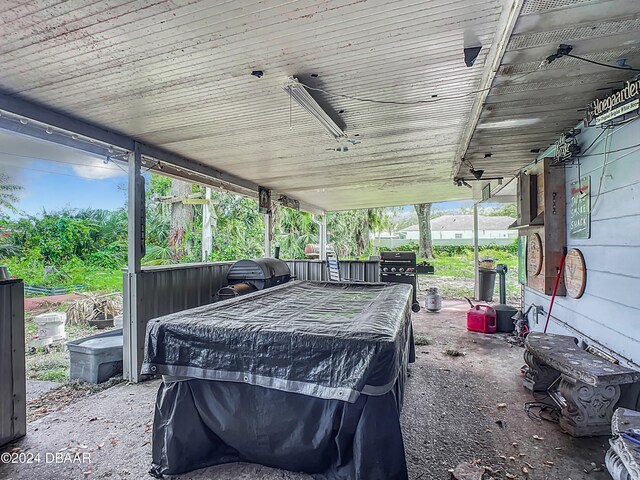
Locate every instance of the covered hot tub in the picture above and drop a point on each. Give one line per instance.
(304, 376)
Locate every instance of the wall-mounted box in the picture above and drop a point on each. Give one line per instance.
(541, 211)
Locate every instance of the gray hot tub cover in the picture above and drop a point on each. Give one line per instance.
(322, 339)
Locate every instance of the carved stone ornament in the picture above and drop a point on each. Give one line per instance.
(589, 409)
(616, 468)
(539, 376)
(625, 458)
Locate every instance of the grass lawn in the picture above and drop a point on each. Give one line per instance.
(454, 273)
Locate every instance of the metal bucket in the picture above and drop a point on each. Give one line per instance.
(4, 273)
(433, 301)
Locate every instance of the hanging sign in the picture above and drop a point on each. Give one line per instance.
(580, 216)
(620, 103)
(567, 146)
(264, 200)
(575, 273)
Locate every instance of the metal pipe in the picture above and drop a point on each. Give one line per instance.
(476, 255)
(268, 234)
(136, 242)
(322, 240)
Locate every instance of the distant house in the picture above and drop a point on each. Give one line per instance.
(458, 230)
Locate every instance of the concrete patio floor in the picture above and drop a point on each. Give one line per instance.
(450, 416)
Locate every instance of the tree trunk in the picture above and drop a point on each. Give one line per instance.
(181, 219)
(424, 226)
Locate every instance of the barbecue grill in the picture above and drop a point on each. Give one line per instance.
(400, 267)
(247, 276)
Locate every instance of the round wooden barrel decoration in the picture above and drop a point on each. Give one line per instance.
(534, 254)
(575, 273)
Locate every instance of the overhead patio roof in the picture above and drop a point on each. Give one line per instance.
(176, 76)
(532, 103)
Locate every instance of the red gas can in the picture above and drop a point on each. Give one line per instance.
(481, 318)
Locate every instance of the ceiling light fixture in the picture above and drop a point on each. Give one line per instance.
(477, 173)
(471, 54)
(302, 97)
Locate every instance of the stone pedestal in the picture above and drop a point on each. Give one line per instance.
(540, 376)
(589, 409)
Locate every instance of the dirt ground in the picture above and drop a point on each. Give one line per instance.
(451, 415)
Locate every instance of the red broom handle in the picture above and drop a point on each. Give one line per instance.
(555, 287)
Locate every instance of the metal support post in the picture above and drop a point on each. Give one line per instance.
(476, 293)
(133, 332)
(268, 233)
(207, 231)
(323, 237)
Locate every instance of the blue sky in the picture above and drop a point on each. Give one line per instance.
(54, 177)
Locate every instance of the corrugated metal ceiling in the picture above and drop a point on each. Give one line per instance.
(177, 74)
(530, 105)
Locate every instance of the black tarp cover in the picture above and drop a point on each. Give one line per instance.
(321, 339)
(201, 423)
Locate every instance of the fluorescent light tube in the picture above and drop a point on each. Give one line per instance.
(302, 97)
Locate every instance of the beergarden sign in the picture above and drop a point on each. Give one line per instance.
(620, 103)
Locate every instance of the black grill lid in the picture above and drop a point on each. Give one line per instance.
(260, 272)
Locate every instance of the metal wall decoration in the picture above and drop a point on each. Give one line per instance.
(575, 273)
(534, 254)
(580, 208)
(566, 147)
(264, 200)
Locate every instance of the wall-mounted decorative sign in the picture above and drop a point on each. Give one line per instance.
(534, 254)
(580, 219)
(625, 101)
(567, 146)
(264, 200)
(575, 273)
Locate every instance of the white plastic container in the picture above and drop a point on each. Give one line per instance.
(117, 321)
(51, 325)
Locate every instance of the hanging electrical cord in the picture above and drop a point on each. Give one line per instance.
(617, 67)
(413, 102)
(564, 50)
(612, 151)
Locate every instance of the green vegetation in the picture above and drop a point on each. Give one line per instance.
(89, 247)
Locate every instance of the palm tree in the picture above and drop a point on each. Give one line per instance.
(8, 193)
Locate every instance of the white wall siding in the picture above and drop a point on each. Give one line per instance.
(608, 314)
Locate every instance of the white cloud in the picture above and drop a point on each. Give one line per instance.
(97, 170)
(21, 152)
